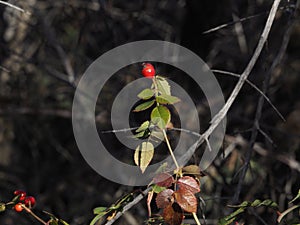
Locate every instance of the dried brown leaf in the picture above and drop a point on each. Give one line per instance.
(187, 200)
(163, 179)
(188, 183)
(164, 198)
(173, 214)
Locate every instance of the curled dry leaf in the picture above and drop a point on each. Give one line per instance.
(188, 183)
(164, 198)
(186, 200)
(163, 179)
(173, 214)
(193, 170)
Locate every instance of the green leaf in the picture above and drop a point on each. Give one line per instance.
(146, 94)
(143, 155)
(53, 222)
(122, 201)
(144, 106)
(269, 203)
(224, 221)
(143, 127)
(163, 85)
(16, 198)
(160, 116)
(241, 208)
(157, 189)
(297, 197)
(2, 207)
(167, 99)
(100, 210)
(63, 222)
(143, 135)
(96, 219)
(243, 205)
(256, 203)
(230, 218)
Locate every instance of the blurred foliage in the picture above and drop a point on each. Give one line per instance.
(44, 53)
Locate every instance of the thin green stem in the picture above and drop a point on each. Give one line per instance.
(164, 132)
(196, 219)
(155, 86)
(170, 149)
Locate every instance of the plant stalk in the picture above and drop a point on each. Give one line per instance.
(170, 149)
(34, 215)
(196, 219)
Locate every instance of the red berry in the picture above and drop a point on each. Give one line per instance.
(18, 207)
(29, 201)
(148, 70)
(21, 193)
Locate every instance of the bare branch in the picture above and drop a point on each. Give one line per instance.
(256, 126)
(4, 69)
(254, 133)
(223, 112)
(237, 21)
(129, 206)
(232, 23)
(255, 87)
(66, 61)
(14, 7)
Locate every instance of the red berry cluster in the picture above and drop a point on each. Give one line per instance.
(148, 70)
(24, 200)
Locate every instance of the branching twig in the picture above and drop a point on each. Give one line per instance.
(28, 210)
(51, 36)
(256, 126)
(136, 200)
(223, 112)
(4, 69)
(252, 140)
(255, 87)
(237, 21)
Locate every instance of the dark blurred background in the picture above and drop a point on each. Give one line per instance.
(44, 52)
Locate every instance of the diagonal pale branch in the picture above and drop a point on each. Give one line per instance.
(14, 7)
(256, 127)
(223, 112)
